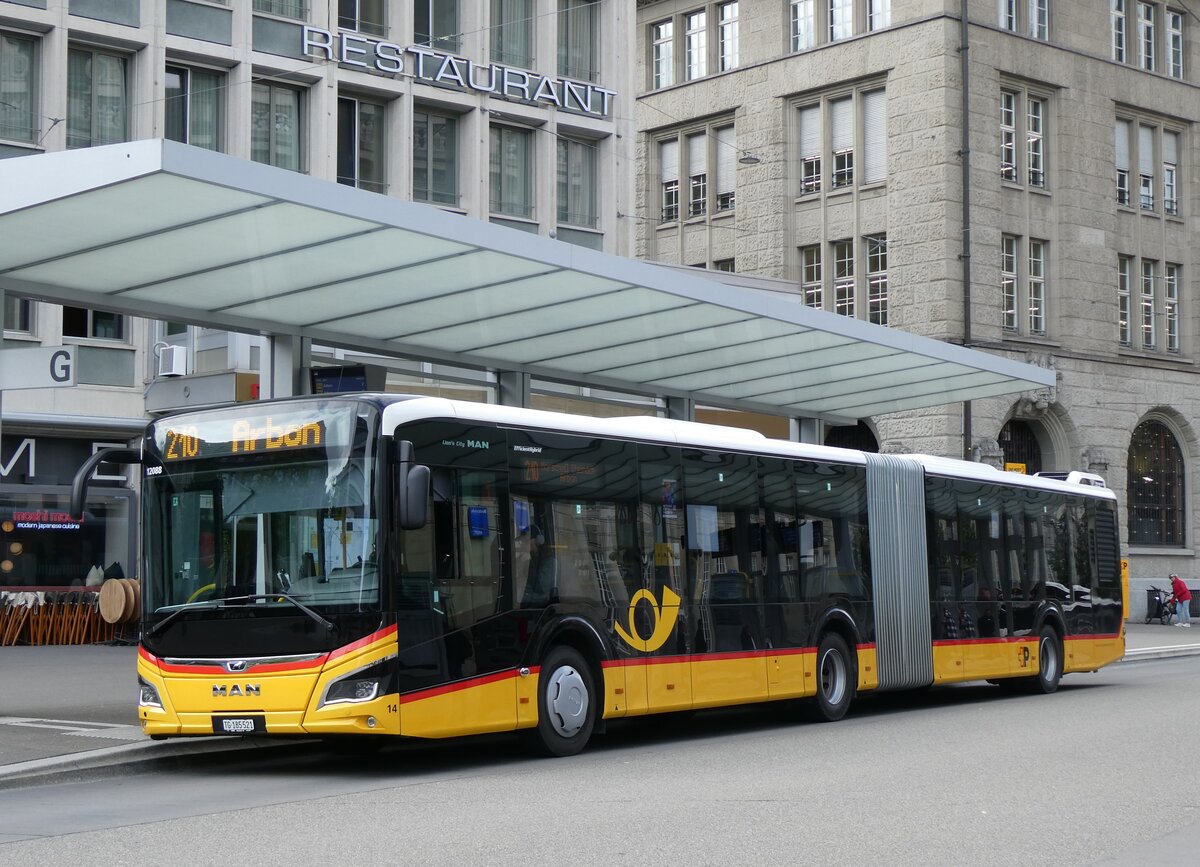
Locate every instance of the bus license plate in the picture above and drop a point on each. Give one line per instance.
(239, 725)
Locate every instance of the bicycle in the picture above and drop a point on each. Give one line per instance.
(1161, 606)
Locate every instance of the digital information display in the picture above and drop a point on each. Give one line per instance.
(194, 437)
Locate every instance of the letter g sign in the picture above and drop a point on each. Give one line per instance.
(60, 366)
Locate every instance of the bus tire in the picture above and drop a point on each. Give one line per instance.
(1050, 662)
(836, 679)
(566, 704)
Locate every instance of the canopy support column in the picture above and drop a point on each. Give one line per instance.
(681, 408)
(513, 388)
(288, 357)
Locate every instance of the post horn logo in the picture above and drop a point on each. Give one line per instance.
(665, 616)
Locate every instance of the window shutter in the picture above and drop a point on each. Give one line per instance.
(810, 131)
(1123, 145)
(842, 111)
(1146, 150)
(874, 136)
(669, 157)
(726, 158)
(1170, 146)
(697, 154)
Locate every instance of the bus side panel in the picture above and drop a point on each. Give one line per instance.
(624, 688)
(728, 678)
(791, 673)
(668, 683)
(473, 706)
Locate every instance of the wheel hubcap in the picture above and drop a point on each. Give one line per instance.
(1049, 660)
(833, 677)
(567, 701)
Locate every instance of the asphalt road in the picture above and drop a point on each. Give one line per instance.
(952, 776)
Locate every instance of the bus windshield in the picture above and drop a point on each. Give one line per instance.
(229, 520)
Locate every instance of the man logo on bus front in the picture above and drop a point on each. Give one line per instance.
(665, 616)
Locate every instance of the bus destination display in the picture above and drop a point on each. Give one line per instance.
(240, 437)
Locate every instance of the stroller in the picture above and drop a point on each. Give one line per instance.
(1160, 606)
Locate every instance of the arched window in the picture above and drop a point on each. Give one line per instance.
(1156, 515)
(1020, 445)
(857, 436)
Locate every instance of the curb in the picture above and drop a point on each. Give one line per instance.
(131, 758)
(1164, 652)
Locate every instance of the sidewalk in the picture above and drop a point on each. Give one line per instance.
(67, 710)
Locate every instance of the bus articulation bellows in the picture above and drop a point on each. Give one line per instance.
(414, 566)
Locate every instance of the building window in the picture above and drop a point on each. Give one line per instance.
(1023, 117)
(276, 126)
(664, 54)
(804, 25)
(297, 9)
(1008, 15)
(18, 314)
(1118, 30)
(877, 279)
(435, 23)
(435, 158)
(1008, 282)
(879, 14)
(1174, 43)
(577, 183)
(812, 286)
(695, 46)
(725, 141)
(668, 160)
(1149, 277)
(1170, 148)
(360, 157)
(83, 322)
(18, 88)
(579, 39)
(841, 19)
(511, 164)
(365, 16)
(512, 32)
(1146, 167)
(843, 278)
(1124, 299)
(194, 106)
(811, 148)
(697, 169)
(1039, 19)
(1155, 487)
(727, 36)
(1034, 142)
(1171, 306)
(845, 114)
(1145, 34)
(1028, 296)
(1122, 160)
(1037, 287)
(97, 98)
(841, 113)
(726, 265)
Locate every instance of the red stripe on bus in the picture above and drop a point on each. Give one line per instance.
(378, 635)
(456, 687)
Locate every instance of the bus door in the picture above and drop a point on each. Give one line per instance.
(724, 532)
(949, 620)
(985, 651)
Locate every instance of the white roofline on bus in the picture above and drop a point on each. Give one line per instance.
(695, 434)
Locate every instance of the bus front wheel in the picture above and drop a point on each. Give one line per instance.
(836, 677)
(566, 704)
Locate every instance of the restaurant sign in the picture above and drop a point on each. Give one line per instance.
(437, 67)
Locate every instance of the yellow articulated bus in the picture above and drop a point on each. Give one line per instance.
(414, 566)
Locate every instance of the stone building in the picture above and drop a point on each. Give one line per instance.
(1024, 183)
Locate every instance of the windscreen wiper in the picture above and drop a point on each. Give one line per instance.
(216, 604)
(292, 599)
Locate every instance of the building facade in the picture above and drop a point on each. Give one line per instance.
(1025, 184)
(511, 111)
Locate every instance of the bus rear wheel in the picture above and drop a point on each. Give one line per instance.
(836, 679)
(566, 704)
(1050, 662)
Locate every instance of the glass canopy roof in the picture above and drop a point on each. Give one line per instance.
(163, 230)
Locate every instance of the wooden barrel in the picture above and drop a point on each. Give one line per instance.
(112, 600)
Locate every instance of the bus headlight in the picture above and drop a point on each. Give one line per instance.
(359, 686)
(148, 695)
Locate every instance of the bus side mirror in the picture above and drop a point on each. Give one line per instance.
(412, 489)
(79, 484)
